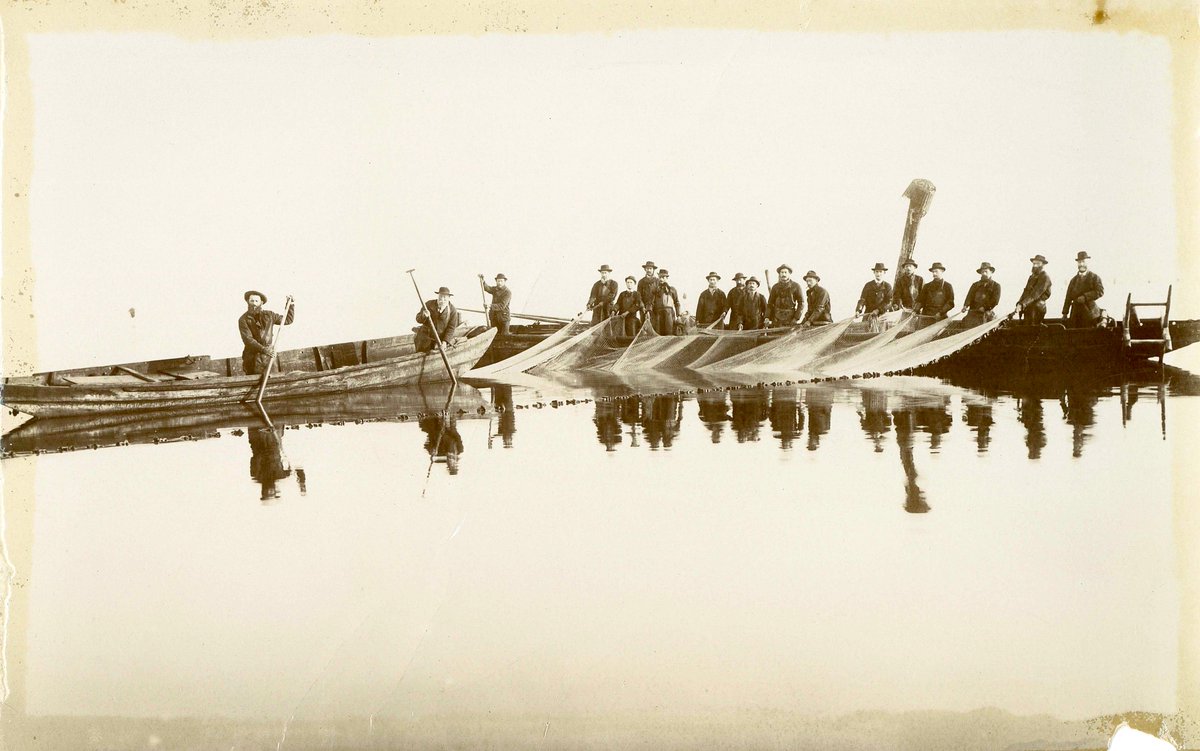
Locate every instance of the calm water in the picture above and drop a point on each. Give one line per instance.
(586, 564)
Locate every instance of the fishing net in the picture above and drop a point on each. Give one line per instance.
(644, 346)
(670, 352)
(936, 349)
(597, 347)
(730, 343)
(861, 356)
(785, 354)
(538, 353)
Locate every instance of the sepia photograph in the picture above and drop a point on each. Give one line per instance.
(507, 375)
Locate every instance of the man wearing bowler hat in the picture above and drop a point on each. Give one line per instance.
(876, 294)
(982, 297)
(1085, 288)
(818, 313)
(437, 315)
(255, 328)
(786, 302)
(734, 299)
(499, 313)
(712, 303)
(1032, 304)
(908, 287)
(603, 294)
(666, 305)
(647, 289)
(937, 297)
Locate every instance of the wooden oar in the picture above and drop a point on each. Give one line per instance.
(525, 316)
(437, 337)
(487, 316)
(276, 332)
(441, 432)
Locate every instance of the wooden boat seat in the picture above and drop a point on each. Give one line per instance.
(104, 380)
(190, 375)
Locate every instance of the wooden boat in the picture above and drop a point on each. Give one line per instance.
(199, 383)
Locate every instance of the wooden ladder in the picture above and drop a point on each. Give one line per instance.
(1147, 337)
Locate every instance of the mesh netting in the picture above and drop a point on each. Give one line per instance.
(786, 353)
(730, 343)
(645, 343)
(538, 353)
(596, 347)
(935, 349)
(860, 356)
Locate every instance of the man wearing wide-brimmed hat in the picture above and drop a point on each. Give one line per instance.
(876, 294)
(937, 296)
(753, 307)
(499, 313)
(983, 296)
(712, 303)
(818, 313)
(786, 302)
(908, 287)
(734, 299)
(666, 305)
(1032, 305)
(255, 328)
(1083, 291)
(602, 296)
(440, 316)
(647, 289)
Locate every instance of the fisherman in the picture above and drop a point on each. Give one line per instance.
(604, 292)
(666, 305)
(498, 312)
(712, 303)
(734, 299)
(753, 307)
(1082, 292)
(437, 315)
(876, 294)
(936, 298)
(786, 303)
(908, 287)
(818, 313)
(647, 289)
(629, 307)
(255, 327)
(1032, 305)
(982, 297)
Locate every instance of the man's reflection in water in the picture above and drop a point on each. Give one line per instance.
(819, 403)
(749, 411)
(268, 464)
(979, 417)
(874, 417)
(935, 419)
(631, 415)
(661, 416)
(1029, 410)
(787, 421)
(442, 440)
(714, 412)
(608, 425)
(502, 400)
(1079, 409)
(914, 498)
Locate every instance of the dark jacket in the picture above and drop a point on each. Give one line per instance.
(647, 288)
(1037, 289)
(908, 291)
(255, 330)
(936, 298)
(734, 299)
(602, 295)
(753, 310)
(501, 299)
(983, 296)
(818, 306)
(786, 297)
(445, 322)
(875, 297)
(629, 302)
(711, 306)
(1088, 286)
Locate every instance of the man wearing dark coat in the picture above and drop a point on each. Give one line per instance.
(982, 297)
(786, 302)
(437, 315)
(876, 294)
(937, 297)
(499, 313)
(666, 305)
(818, 313)
(647, 289)
(255, 328)
(734, 299)
(753, 308)
(908, 287)
(603, 293)
(629, 307)
(1085, 288)
(1032, 305)
(712, 304)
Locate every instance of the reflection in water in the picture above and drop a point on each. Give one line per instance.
(502, 402)
(749, 411)
(874, 417)
(661, 417)
(914, 498)
(936, 421)
(714, 412)
(608, 424)
(442, 440)
(268, 463)
(1079, 410)
(1029, 409)
(631, 415)
(820, 414)
(979, 418)
(787, 421)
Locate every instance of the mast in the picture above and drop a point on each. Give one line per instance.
(919, 194)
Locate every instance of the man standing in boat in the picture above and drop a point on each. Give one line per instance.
(666, 305)
(604, 292)
(712, 304)
(647, 288)
(818, 313)
(908, 287)
(876, 295)
(255, 327)
(982, 297)
(437, 315)
(1032, 305)
(786, 302)
(936, 298)
(1085, 288)
(734, 300)
(629, 307)
(753, 310)
(499, 312)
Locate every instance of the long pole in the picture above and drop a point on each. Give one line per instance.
(524, 316)
(487, 316)
(276, 332)
(437, 337)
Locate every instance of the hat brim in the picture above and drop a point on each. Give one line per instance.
(246, 296)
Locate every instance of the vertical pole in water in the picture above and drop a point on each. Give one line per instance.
(276, 332)
(437, 337)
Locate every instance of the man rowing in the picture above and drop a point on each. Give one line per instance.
(983, 297)
(1032, 304)
(255, 328)
(603, 293)
(499, 313)
(1079, 307)
(786, 302)
(438, 321)
(937, 297)
(818, 313)
(712, 303)
(734, 300)
(629, 307)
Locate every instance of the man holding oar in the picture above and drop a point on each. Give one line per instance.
(498, 313)
(438, 321)
(255, 328)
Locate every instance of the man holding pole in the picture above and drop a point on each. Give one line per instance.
(438, 321)
(255, 328)
(498, 312)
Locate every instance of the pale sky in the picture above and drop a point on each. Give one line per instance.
(172, 175)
